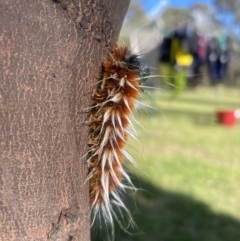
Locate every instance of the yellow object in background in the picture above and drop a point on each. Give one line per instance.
(184, 59)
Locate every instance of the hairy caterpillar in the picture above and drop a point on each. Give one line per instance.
(112, 105)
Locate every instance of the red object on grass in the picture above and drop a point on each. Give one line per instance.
(226, 117)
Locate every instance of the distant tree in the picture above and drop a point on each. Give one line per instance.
(230, 6)
(136, 15)
(205, 18)
(136, 18)
(175, 16)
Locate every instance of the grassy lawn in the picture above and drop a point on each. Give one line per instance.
(188, 170)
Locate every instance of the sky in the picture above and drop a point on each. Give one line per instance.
(154, 6)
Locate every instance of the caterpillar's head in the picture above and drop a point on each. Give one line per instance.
(141, 67)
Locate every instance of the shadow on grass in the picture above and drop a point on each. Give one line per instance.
(169, 216)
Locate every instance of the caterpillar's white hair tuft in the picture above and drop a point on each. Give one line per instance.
(110, 118)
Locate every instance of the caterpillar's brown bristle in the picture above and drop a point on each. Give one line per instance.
(112, 104)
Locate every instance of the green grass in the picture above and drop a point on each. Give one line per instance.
(188, 170)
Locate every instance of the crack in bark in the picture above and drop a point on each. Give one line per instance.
(65, 228)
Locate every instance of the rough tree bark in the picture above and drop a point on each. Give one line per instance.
(50, 58)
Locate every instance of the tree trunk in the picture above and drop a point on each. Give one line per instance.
(50, 58)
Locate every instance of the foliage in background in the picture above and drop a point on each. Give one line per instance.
(173, 79)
